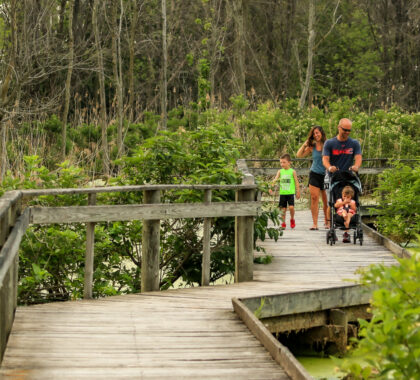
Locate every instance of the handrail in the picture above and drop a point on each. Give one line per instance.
(13, 226)
(303, 171)
(309, 159)
(112, 189)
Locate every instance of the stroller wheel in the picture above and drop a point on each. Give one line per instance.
(360, 236)
(354, 237)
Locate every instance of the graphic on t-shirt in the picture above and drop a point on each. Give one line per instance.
(337, 152)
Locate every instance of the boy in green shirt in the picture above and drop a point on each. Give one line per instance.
(289, 185)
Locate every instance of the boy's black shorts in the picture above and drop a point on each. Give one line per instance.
(287, 199)
(316, 180)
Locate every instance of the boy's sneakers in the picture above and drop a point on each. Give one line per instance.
(292, 223)
(283, 225)
(346, 238)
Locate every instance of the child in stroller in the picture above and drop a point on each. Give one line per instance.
(346, 218)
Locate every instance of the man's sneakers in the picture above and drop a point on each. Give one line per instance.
(346, 238)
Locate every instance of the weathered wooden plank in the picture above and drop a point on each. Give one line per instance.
(307, 301)
(205, 266)
(90, 253)
(113, 189)
(393, 247)
(271, 172)
(11, 246)
(244, 240)
(9, 199)
(150, 257)
(9, 242)
(75, 214)
(167, 323)
(172, 371)
(280, 353)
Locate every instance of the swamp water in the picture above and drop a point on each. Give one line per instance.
(325, 368)
(321, 368)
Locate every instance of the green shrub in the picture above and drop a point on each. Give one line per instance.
(390, 344)
(399, 203)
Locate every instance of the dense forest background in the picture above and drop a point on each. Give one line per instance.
(109, 65)
(164, 91)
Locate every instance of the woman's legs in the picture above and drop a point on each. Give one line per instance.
(314, 192)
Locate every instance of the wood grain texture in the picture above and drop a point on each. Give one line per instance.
(182, 333)
(81, 214)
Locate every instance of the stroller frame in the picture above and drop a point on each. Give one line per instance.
(334, 184)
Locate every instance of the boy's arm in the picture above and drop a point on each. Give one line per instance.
(338, 204)
(297, 184)
(353, 205)
(273, 182)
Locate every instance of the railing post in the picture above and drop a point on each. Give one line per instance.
(8, 289)
(15, 212)
(4, 288)
(205, 268)
(90, 252)
(150, 247)
(244, 236)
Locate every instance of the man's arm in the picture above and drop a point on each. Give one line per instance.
(357, 163)
(327, 165)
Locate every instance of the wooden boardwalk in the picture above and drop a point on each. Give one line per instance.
(185, 333)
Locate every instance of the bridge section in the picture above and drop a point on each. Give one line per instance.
(182, 333)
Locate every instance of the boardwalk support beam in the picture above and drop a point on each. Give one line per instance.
(150, 247)
(244, 236)
(205, 268)
(89, 257)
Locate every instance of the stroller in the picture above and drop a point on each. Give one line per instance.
(334, 184)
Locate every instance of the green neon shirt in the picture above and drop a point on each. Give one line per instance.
(287, 182)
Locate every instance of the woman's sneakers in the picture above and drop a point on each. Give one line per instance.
(346, 238)
(283, 225)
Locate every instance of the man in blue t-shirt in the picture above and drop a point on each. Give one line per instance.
(339, 154)
(340, 151)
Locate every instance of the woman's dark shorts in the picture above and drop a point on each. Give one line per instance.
(286, 199)
(316, 180)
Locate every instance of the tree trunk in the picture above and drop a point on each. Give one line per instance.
(116, 64)
(68, 80)
(5, 86)
(311, 44)
(239, 45)
(164, 89)
(287, 45)
(132, 42)
(101, 77)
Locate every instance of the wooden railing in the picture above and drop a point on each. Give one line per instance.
(269, 167)
(13, 225)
